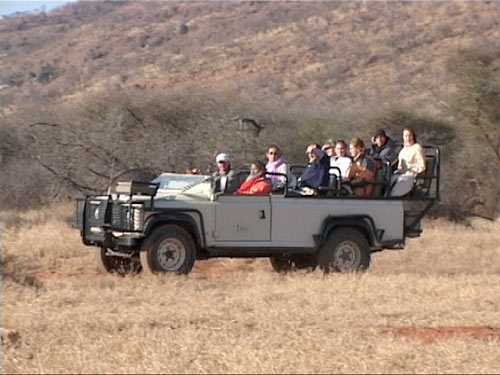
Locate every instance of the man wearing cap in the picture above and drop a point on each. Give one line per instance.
(227, 182)
(383, 147)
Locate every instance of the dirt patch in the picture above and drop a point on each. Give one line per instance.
(431, 334)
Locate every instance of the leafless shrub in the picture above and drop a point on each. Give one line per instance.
(443, 31)
(25, 184)
(97, 53)
(183, 29)
(15, 79)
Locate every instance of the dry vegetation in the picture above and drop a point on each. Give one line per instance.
(324, 55)
(432, 308)
(101, 90)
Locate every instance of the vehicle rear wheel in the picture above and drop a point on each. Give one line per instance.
(169, 248)
(345, 250)
(284, 263)
(116, 264)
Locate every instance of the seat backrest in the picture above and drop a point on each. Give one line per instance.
(379, 183)
(424, 179)
(382, 177)
(332, 181)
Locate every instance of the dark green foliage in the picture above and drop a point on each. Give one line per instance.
(477, 76)
(15, 79)
(476, 105)
(47, 73)
(429, 130)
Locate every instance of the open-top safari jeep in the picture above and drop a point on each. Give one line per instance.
(167, 224)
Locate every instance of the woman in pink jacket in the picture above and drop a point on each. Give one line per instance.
(276, 164)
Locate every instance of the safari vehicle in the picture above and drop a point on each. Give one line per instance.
(168, 223)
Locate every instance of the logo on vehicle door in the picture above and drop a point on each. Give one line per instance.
(240, 228)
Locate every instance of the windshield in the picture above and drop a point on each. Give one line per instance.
(177, 182)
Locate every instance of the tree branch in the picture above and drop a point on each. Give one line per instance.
(77, 185)
(43, 124)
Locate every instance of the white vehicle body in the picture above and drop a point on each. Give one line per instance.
(176, 213)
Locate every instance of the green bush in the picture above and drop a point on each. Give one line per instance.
(47, 73)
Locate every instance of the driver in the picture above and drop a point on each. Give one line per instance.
(228, 181)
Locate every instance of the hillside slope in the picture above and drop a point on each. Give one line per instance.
(324, 56)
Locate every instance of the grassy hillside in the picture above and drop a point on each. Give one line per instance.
(328, 56)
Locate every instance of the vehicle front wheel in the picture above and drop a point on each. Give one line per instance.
(345, 250)
(116, 264)
(169, 248)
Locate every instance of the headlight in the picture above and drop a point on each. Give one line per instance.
(137, 216)
(96, 213)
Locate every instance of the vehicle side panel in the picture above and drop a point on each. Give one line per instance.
(205, 207)
(296, 220)
(242, 218)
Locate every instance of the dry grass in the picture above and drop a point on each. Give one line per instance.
(237, 316)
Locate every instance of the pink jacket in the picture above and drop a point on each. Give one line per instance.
(277, 166)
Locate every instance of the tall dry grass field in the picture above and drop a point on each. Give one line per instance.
(433, 308)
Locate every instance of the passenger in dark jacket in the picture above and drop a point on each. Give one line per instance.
(384, 148)
(316, 173)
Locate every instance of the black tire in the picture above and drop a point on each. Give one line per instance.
(284, 263)
(305, 261)
(114, 264)
(345, 250)
(281, 263)
(168, 248)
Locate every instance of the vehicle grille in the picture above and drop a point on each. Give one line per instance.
(127, 218)
(120, 217)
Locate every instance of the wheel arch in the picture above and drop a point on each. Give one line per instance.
(181, 219)
(363, 223)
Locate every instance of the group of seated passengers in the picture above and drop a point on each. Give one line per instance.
(358, 170)
(256, 182)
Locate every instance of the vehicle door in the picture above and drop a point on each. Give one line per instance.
(242, 218)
